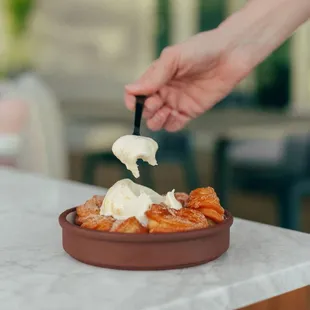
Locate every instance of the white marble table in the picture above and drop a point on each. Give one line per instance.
(36, 274)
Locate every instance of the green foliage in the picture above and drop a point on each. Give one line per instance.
(163, 21)
(266, 71)
(211, 13)
(273, 78)
(19, 12)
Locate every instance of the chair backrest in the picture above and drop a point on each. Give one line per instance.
(173, 146)
(297, 154)
(307, 156)
(43, 147)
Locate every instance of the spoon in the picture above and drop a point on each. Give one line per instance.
(129, 148)
(138, 114)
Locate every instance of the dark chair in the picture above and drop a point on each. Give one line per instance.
(92, 161)
(279, 167)
(178, 148)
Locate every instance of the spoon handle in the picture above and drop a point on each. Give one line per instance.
(138, 114)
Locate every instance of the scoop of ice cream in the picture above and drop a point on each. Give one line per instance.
(126, 199)
(128, 149)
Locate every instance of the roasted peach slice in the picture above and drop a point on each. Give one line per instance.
(205, 198)
(182, 198)
(98, 222)
(90, 208)
(193, 216)
(130, 225)
(213, 215)
(163, 219)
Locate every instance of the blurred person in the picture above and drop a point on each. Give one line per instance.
(190, 77)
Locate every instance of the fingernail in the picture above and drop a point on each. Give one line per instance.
(132, 87)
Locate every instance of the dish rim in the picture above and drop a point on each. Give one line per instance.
(133, 237)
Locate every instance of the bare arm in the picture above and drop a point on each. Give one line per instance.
(261, 26)
(190, 77)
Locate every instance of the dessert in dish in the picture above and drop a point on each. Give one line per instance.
(132, 208)
(128, 149)
(133, 227)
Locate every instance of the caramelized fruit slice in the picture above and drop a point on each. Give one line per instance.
(98, 222)
(163, 219)
(168, 229)
(98, 200)
(213, 215)
(193, 216)
(106, 223)
(157, 212)
(131, 225)
(170, 223)
(211, 223)
(205, 198)
(182, 198)
(90, 207)
(80, 220)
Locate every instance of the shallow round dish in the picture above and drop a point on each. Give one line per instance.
(144, 251)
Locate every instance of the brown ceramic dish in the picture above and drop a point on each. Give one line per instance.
(144, 251)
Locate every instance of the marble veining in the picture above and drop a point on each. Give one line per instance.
(36, 274)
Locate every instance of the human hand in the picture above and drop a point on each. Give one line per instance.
(188, 79)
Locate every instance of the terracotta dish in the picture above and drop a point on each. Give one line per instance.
(144, 251)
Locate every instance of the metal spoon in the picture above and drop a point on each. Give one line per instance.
(138, 114)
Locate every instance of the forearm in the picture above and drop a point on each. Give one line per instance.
(262, 25)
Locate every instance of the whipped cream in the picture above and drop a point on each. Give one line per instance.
(128, 149)
(126, 199)
(171, 201)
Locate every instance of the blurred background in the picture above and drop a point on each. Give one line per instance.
(63, 65)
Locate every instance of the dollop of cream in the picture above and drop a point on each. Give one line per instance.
(171, 201)
(128, 149)
(126, 199)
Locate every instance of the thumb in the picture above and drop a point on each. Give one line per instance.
(157, 75)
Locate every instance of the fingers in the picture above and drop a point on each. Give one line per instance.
(158, 115)
(159, 119)
(176, 121)
(130, 101)
(168, 119)
(151, 106)
(151, 84)
(157, 75)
